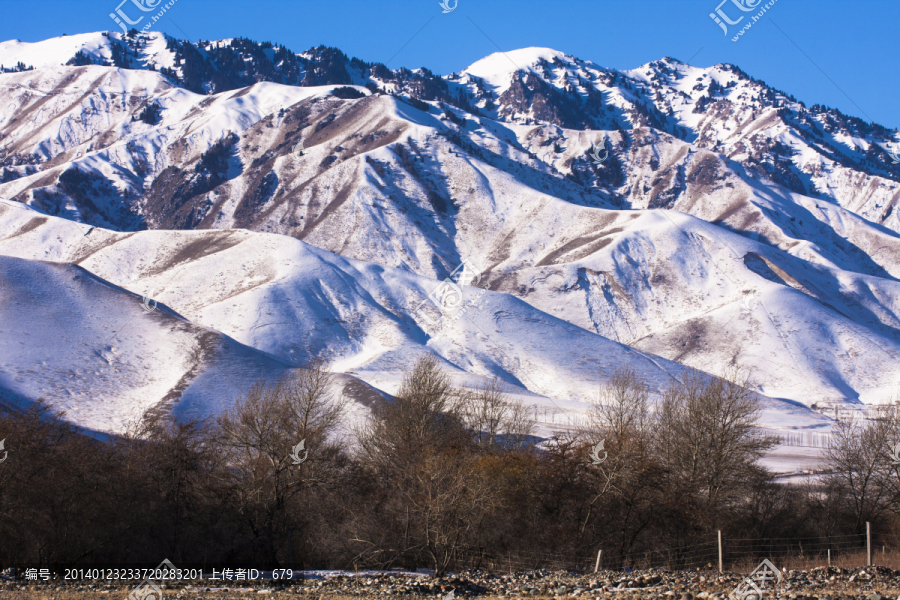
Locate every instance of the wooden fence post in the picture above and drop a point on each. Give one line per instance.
(597, 564)
(868, 544)
(720, 551)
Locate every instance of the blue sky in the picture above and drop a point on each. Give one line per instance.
(839, 53)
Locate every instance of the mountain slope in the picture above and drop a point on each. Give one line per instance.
(95, 352)
(293, 301)
(662, 217)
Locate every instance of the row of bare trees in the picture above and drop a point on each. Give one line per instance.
(864, 456)
(438, 477)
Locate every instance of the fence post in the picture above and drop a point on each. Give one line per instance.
(829, 557)
(720, 551)
(597, 564)
(868, 544)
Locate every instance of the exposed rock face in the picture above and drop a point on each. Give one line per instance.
(542, 102)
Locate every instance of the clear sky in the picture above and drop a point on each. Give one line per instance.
(842, 53)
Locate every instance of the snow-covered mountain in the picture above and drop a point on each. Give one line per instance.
(277, 302)
(309, 203)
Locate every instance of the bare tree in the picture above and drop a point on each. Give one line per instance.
(620, 419)
(859, 457)
(622, 409)
(50, 508)
(418, 446)
(258, 437)
(175, 457)
(708, 439)
(494, 420)
(452, 497)
(426, 412)
(307, 394)
(520, 426)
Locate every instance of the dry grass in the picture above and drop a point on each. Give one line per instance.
(846, 560)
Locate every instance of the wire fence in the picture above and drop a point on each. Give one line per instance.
(738, 555)
(558, 419)
(807, 439)
(554, 417)
(845, 412)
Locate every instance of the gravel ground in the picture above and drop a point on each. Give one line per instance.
(824, 583)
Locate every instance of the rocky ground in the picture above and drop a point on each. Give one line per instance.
(823, 583)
